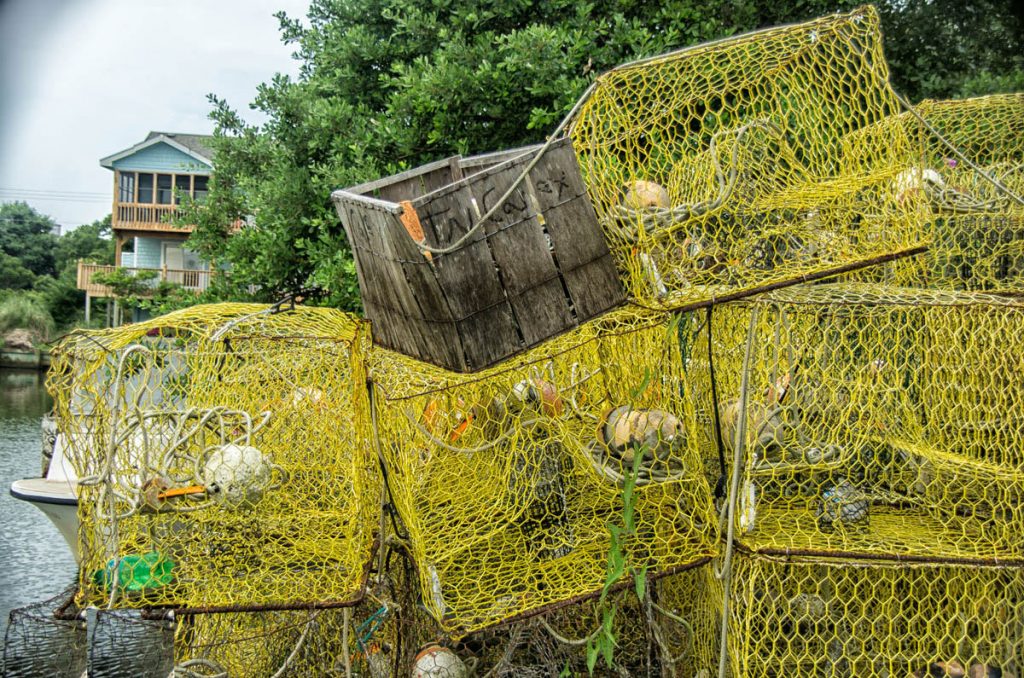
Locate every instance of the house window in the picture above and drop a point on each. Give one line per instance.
(182, 187)
(126, 187)
(164, 182)
(199, 190)
(145, 188)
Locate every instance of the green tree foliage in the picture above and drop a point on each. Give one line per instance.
(91, 242)
(44, 267)
(124, 283)
(13, 273)
(386, 85)
(947, 48)
(28, 236)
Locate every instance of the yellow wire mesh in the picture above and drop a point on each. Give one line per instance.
(978, 230)
(670, 630)
(846, 619)
(878, 421)
(506, 480)
(286, 643)
(222, 457)
(691, 633)
(722, 168)
(228, 454)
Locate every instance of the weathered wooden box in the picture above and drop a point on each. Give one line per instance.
(539, 266)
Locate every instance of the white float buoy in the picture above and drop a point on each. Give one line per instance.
(237, 475)
(437, 661)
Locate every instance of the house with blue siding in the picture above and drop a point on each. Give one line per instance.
(150, 180)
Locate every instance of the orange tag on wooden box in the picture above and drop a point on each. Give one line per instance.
(411, 221)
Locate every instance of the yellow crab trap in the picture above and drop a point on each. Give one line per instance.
(306, 642)
(273, 643)
(794, 618)
(977, 221)
(720, 170)
(875, 421)
(507, 480)
(222, 457)
(668, 629)
(665, 627)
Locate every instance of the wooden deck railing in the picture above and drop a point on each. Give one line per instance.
(146, 217)
(132, 216)
(192, 280)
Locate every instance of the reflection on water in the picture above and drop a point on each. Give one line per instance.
(35, 563)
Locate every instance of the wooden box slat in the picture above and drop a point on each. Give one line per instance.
(538, 267)
(521, 253)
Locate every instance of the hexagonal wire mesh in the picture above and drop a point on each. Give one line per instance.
(977, 238)
(670, 630)
(878, 421)
(273, 643)
(134, 643)
(222, 457)
(795, 618)
(506, 479)
(46, 639)
(729, 167)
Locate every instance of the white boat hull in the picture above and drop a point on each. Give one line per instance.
(55, 498)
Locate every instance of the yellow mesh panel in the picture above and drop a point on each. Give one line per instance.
(506, 479)
(293, 643)
(722, 168)
(691, 632)
(978, 231)
(673, 631)
(879, 421)
(845, 619)
(222, 456)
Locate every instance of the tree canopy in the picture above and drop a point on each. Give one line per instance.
(388, 85)
(39, 269)
(29, 237)
(92, 242)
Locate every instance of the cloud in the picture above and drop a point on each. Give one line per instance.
(83, 79)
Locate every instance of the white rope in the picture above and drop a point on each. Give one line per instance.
(108, 473)
(574, 642)
(235, 322)
(298, 646)
(515, 184)
(725, 574)
(184, 669)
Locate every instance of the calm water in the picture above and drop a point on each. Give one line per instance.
(35, 562)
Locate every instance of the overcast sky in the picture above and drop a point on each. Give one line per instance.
(83, 79)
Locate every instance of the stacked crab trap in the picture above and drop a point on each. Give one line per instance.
(875, 461)
(859, 435)
(727, 169)
(973, 186)
(223, 474)
(725, 378)
(506, 480)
